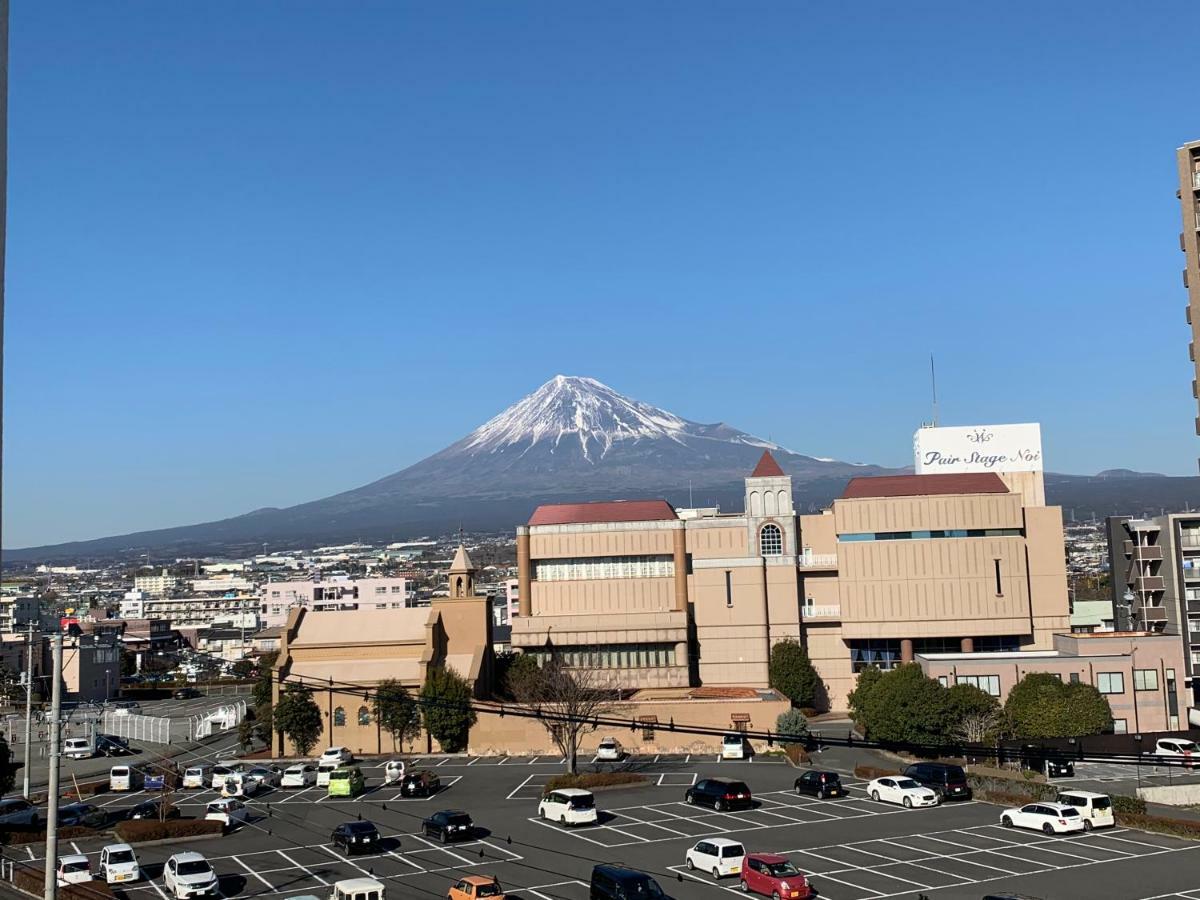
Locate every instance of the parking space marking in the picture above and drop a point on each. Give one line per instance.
(687, 779)
(252, 872)
(302, 868)
(434, 846)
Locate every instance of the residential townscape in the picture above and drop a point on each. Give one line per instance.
(592, 649)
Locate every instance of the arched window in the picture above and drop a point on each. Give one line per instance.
(458, 591)
(364, 716)
(339, 716)
(770, 541)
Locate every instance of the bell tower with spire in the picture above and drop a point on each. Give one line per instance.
(462, 575)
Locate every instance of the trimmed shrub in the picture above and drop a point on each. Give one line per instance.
(870, 772)
(1185, 828)
(1123, 805)
(32, 881)
(792, 727)
(19, 834)
(792, 674)
(137, 830)
(1023, 791)
(591, 780)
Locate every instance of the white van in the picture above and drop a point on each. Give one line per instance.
(358, 889)
(568, 806)
(324, 770)
(197, 776)
(78, 748)
(733, 746)
(123, 778)
(1096, 809)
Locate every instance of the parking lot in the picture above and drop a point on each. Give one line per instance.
(853, 848)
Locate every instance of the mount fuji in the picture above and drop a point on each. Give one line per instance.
(572, 439)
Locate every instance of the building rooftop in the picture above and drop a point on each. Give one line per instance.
(602, 511)
(767, 467)
(923, 485)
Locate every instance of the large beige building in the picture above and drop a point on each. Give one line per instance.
(1189, 242)
(897, 566)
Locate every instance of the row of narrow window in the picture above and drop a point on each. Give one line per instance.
(339, 716)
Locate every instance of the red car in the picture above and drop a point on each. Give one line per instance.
(773, 876)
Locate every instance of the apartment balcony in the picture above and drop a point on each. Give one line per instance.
(1147, 553)
(1149, 583)
(811, 561)
(825, 613)
(1191, 573)
(1196, 181)
(1152, 614)
(1193, 606)
(1142, 525)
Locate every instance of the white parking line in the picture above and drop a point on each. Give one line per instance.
(512, 795)
(302, 868)
(434, 846)
(255, 874)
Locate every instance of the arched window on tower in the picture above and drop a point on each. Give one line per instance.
(770, 541)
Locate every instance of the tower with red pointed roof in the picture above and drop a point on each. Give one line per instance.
(770, 516)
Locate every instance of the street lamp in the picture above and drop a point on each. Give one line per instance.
(1128, 597)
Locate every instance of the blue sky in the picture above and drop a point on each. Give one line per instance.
(262, 252)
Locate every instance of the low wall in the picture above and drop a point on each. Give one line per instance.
(1171, 795)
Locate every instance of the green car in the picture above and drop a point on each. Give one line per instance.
(346, 781)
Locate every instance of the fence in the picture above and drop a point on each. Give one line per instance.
(13, 730)
(148, 729)
(223, 718)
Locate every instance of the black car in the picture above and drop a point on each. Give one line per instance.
(448, 825)
(110, 745)
(720, 795)
(82, 814)
(949, 782)
(420, 784)
(186, 694)
(820, 784)
(153, 809)
(618, 883)
(356, 837)
(1050, 764)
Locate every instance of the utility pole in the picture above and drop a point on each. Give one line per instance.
(51, 881)
(28, 715)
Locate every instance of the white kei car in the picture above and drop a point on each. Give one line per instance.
(118, 864)
(720, 856)
(188, 875)
(301, 775)
(73, 868)
(898, 789)
(610, 750)
(568, 806)
(1050, 818)
(229, 811)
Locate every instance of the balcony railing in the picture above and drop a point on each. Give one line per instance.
(1149, 583)
(1196, 180)
(1147, 553)
(822, 612)
(1154, 614)
(817, 561)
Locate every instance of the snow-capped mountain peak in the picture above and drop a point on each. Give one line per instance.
(570, 408)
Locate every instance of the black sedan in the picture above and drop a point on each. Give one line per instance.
(720, 795)
(356, 837)
(111, 745)
(154, 810)
(82, 814)
(448, 825)
(186, 693)
(820, 784)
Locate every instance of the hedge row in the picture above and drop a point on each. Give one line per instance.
(591, 780)
(32, 881)
(136, 830)
(1012, 787)
(870, 772)
(1185, 828)
(18, 834)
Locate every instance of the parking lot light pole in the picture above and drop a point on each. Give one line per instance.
(28, 716)
(51, 881)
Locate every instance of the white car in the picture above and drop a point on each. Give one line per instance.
(73, 868)
(221, 771)
(337, 755)
(268, 776)
(1177, 749)
(568, 806)
(189, 875)
(301, 775)
(720, 856)
(240, 784)
(229, 811)
(393, 771)
(119, 865)
(197, 776)
(733, 746)
(898, 789)
(610, 750)
(1051, 818)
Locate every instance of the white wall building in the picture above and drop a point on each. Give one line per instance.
(338, 593)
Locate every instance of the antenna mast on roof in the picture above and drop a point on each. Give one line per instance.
(933, 385)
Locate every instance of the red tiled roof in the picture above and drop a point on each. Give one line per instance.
(924, 485)
(602, 511)
(767, 467)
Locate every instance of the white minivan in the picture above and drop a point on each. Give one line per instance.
(1096, 809)
(720, 856)
(197, 776)
(78, 748)
(123, 778)
(568, 806)
(733, 746)
(324, 770)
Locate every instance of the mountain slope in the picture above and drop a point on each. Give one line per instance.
(571, 439)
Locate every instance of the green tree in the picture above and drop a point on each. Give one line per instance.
(296, 716)
(791, 673)
(906, 707)
(446, 709)
(396, 712)
(8, 770)
(243, 669)
(128, 664)
(519, 668)
(975, 715)
(857, 699)
(1041, 706)
(792, 727)
(261, 694)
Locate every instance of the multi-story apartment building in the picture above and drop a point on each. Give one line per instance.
(1189, 243)
(18, 612)
(155, 585)
(897, 566)
(221, 584)
(193, 612)
(1156, 581)
(92, 666)
(337, 593)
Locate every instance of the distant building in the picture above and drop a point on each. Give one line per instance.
(92, 666)
(155, 585)
(338, 593)
(18, 612)
(193, 612)
(1091, 616)
(1189, 243)
(221, 584)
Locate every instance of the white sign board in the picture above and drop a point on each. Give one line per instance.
(978, 448)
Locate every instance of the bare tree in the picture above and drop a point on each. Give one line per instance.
(567, 703)
(979, 727)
